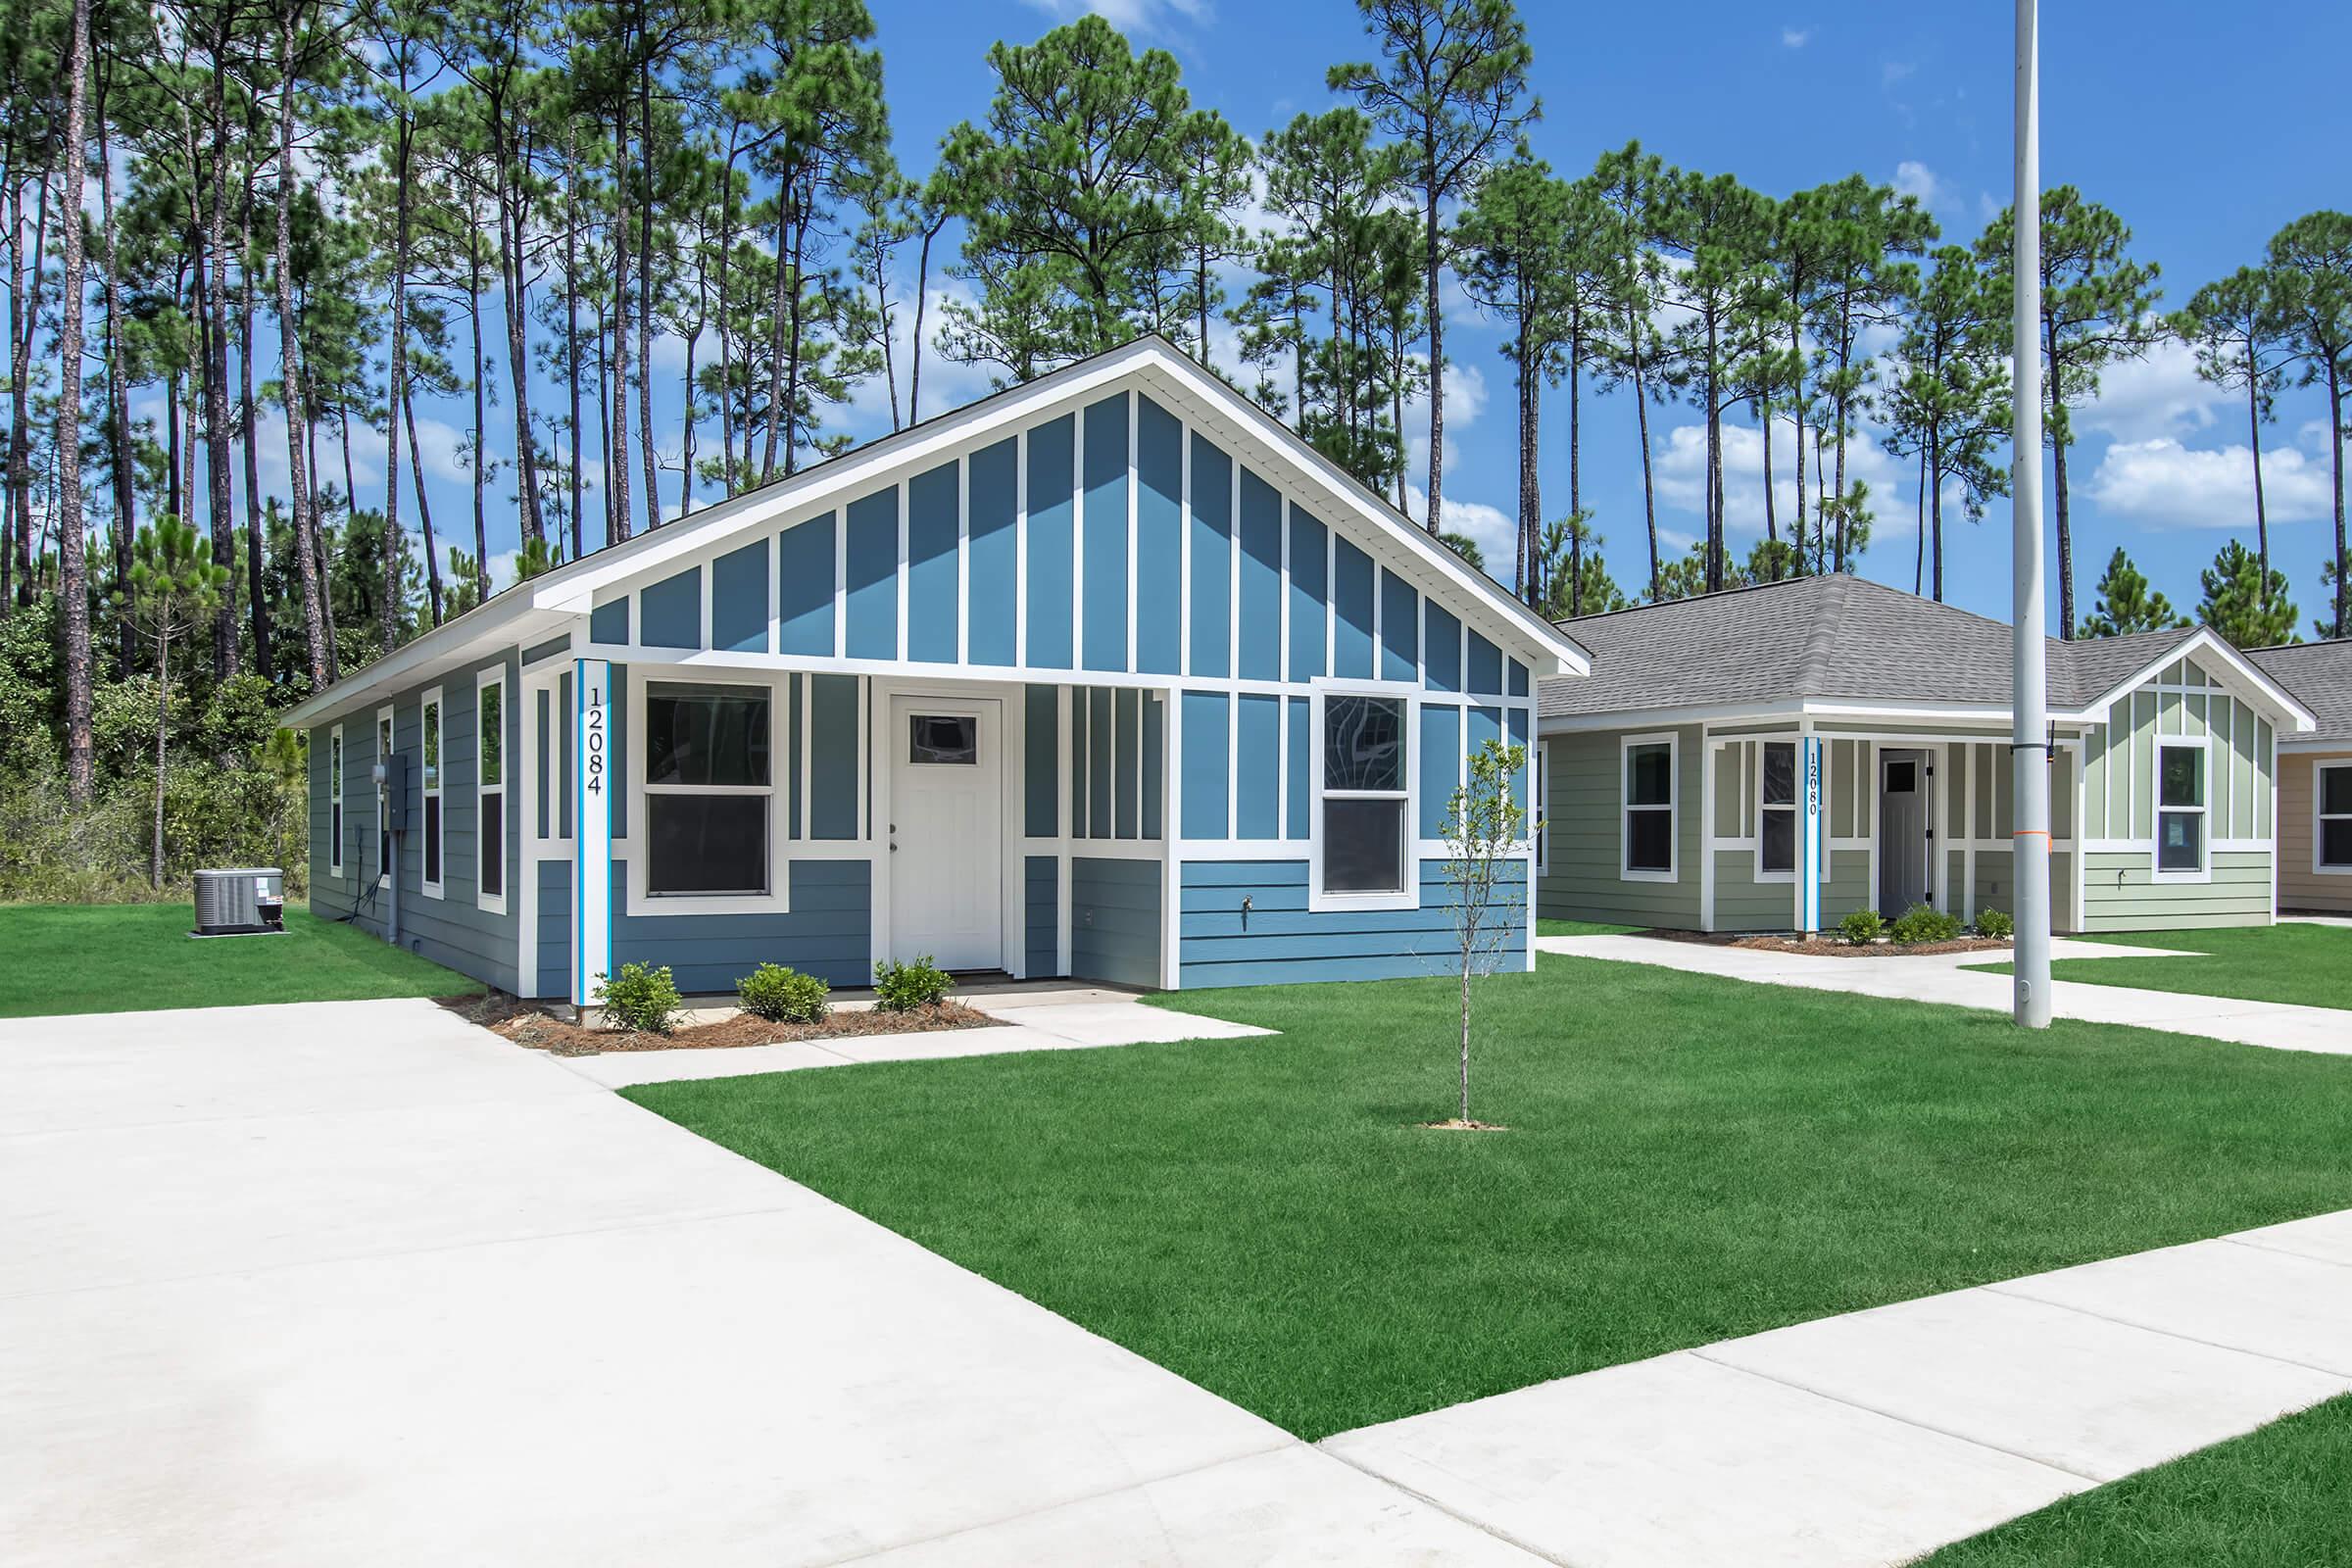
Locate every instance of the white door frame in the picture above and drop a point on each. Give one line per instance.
(556, 844)
(1012, 792)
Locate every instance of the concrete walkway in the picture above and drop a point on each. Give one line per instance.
(1945, 978)
(356, 1282)
(1869, 1439)
(1033, 1018)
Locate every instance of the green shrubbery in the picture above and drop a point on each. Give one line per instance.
(1995, 923)
(642, 998)
(1860, 928)
(1921, 923)
(782, 996)
(903, 987)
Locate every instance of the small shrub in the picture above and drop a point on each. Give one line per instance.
(782, 996)
(1995, 923)
(1919, 923)
(904, 987)
(642, 998)
(1860, 928)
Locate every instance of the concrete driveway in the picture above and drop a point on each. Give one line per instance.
(358, 1283)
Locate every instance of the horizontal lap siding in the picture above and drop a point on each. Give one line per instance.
(2300, 887)
(1279, 940)
(827, 932)
(1744, 903)
(555, 928)
(1114, 920)
(2118, 894)
(1584, 851)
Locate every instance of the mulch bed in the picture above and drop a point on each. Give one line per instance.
(1831, 948)
(530, 1027)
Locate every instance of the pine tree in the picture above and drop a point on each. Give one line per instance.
(2125, 604)
(2240, 605)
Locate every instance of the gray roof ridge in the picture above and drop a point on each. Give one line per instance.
(1821, 638)
(1699, 599)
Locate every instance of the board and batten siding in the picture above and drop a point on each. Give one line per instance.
(2301, 884)
(1584, 833)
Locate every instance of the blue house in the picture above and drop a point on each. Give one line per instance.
(1109, 676)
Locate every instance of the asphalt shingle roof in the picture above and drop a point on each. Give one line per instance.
(1829, 637)
(2318, 675)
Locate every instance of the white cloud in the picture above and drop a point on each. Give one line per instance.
(1892, 71)
(1493, 529)
(2158, 394)
(1681, 461)
(1915, 179)
(1465, 400)
(1128, 16)
(1796, 38)
(2166, 485)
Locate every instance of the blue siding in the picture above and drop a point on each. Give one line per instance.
(1080, 725)
(1518, 723)
(1041, 771)
(1102, 747)
(1106, 618)
(1042, 907)
(933, 625)
(606, 623)
(1443, 663)
(1518, 678)
(1257, 781)
(1486, 724)
(873, 562)
(1352, 602)
(1441, 767)
(796, 724)
(1158, 538)
(1050, 543)
(1202, 809)
(826, 932)
(616, 713)
(805, 565)
(1127, 786)
(1285, 942)
(1114, 920)
(995, 479)
(544, 651)
(833, 783)
(1302, 765)
(1486, 667)
(554, 929)
(1309, 568)
(739, 600)
(672, 612)
(1399, 628)
(1212, 559)
(1155, 764)
(1260, 607)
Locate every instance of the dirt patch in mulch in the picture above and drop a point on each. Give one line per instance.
(1458, 1125)
(1831, 948)
(532, 1028)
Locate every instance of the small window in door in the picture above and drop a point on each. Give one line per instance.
(1902, 778)
(943, 740)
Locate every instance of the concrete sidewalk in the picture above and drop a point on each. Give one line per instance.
(1945, 978)
(359, 1284)
(1033, 1018)
(1867, 1440)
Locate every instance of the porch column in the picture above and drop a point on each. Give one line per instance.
(1810, 847)
(591, 831)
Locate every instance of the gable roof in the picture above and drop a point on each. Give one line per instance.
(545, 604)
(2319, 675)
(1843, 639)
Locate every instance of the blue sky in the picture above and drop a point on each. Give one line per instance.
(2204, 131)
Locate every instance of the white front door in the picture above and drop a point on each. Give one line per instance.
(946, 831)
(1904, 841)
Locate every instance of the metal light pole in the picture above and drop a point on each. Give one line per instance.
(2030, 738)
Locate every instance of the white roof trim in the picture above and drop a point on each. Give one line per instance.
(1989, 714)
(2206, 640)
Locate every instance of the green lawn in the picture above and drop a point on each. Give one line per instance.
(1690, 1160)
(2293, 962)
(135, 957)
(1584, 928)
(2280, 1497)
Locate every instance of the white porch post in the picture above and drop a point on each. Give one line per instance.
(591, 831)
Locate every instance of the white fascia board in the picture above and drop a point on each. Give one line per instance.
(2314, 745)
(2290, 715)
(507, 618)
(1991, 719)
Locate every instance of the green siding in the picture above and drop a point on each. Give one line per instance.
(2119, 893)
(1585, 846)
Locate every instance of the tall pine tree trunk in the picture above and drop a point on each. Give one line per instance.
(617, 434)
(291, 374)
(424, 507)
(645, 291)
(218, 428)
(73, 567)
(481, 414)
(572, 328)
(256, 544)
(2262, 518)
(2335, 452)
(389, 612)
(515, 299)
(1436, 343)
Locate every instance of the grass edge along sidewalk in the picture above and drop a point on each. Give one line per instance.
(2293, 962)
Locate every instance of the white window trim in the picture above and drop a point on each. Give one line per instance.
(432, 742)
(2157, 810)
(1539, 783)
(486, 680)
(1795, 807)
(1672, 741)
(387, 738)
(781, 767)
(1409, 895)
(335, 810)
(2321, 815)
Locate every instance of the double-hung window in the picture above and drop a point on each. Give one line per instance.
(430, 775)
(383, 798)
(490, 791)
(1776, 808)
(1647, 830)
(2179, 808)
(709, 791)
(2332, 831)
(1365, 798)
(334, 801)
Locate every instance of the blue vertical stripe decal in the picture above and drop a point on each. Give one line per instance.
(1106, 622)
(804, 588)
(1303, 756)
(1399, 628)
(1040, 770)
(1212, 559)
(1158, 538)
(739, 600)
(1441, 765)
(933, 630)
(994, 476)
(1050, 543)
(1257, 755)
(1309, 568)
(1202, 811)
(1260, 607)
(1809, 826)
(875, 575)
(1352, 605)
